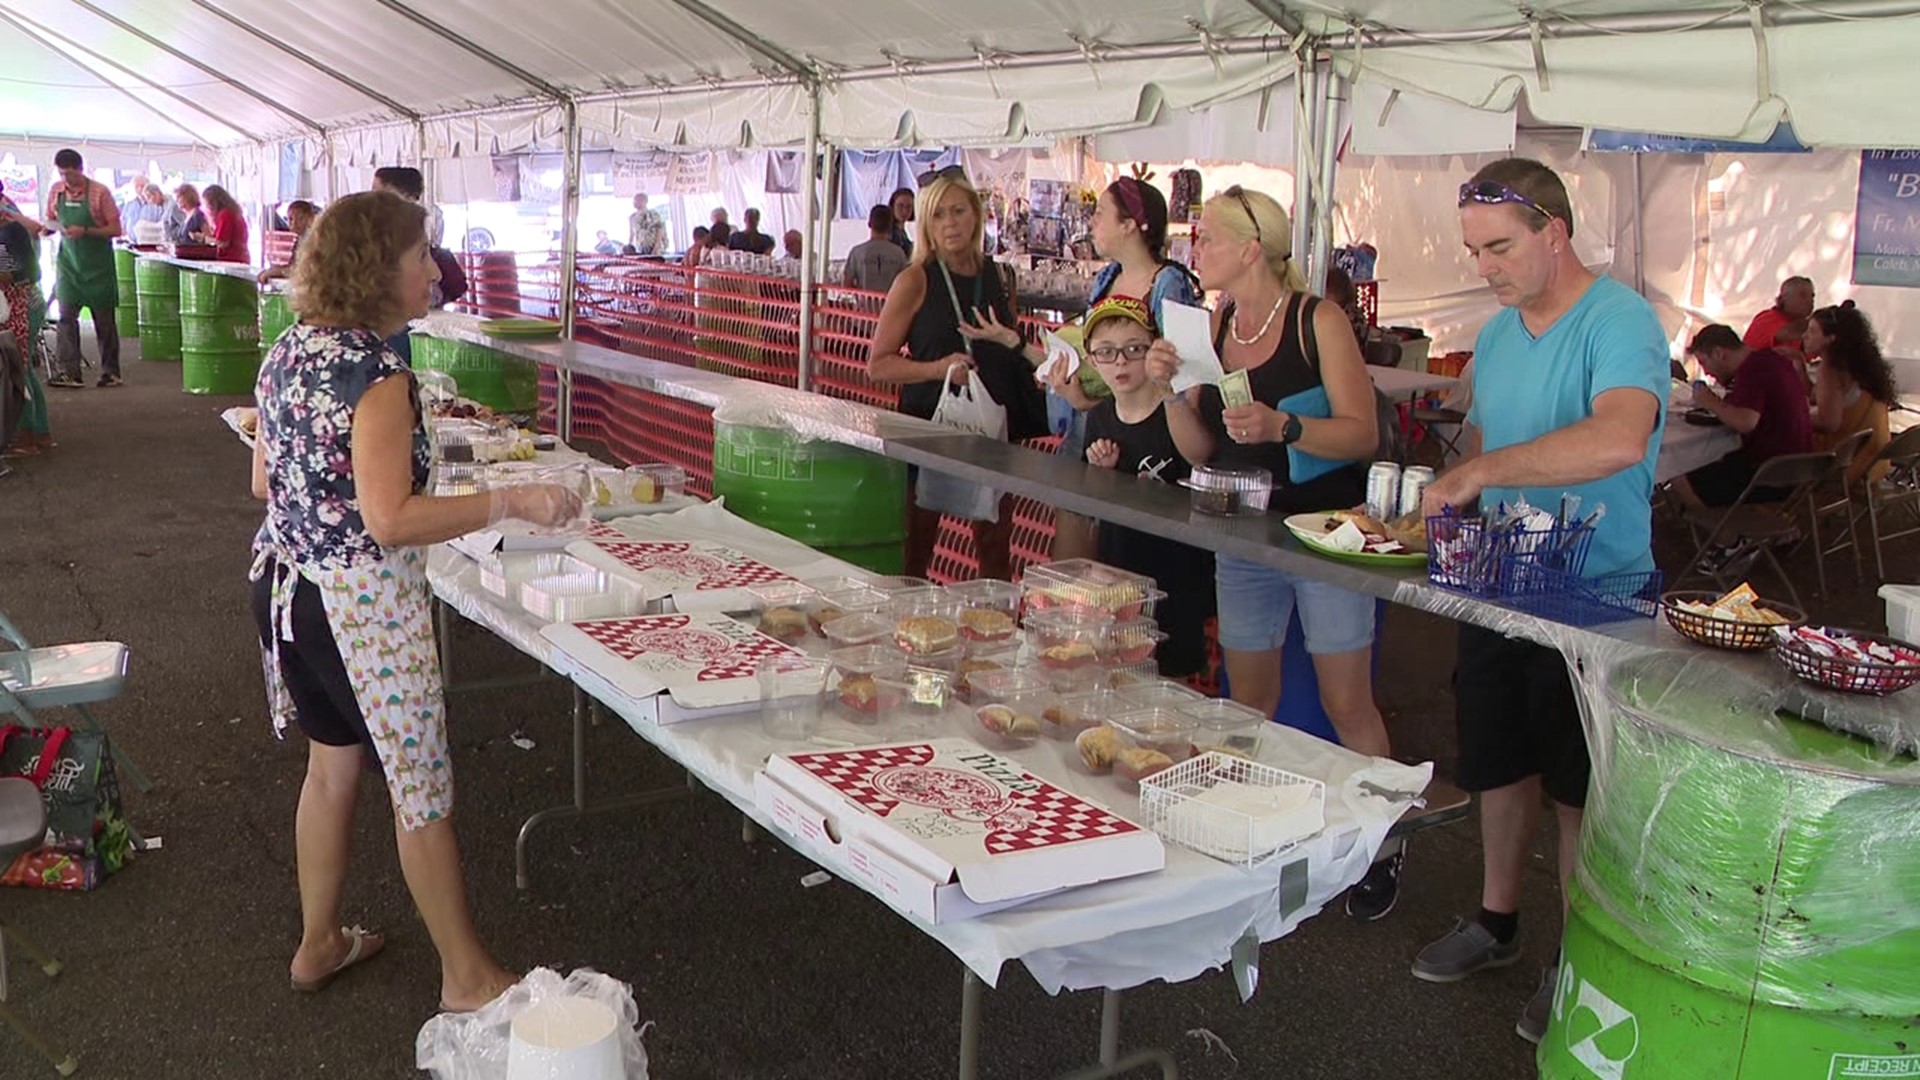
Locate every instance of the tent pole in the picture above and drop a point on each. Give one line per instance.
(1332, 93)
(1639, 230)
(808, 253)
(1306, 92)
(569, 247)
(829, 209)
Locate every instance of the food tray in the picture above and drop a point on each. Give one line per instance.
(1237, 811)
(520, 328)
(582, 595)
(1726, 633)
(503, 574)
(1850, 676)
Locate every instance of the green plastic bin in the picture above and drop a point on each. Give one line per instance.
(219, 333)
(1748, 900)
(276, 315)
(495, 379)
(835, 499)
(126, 319)
(123, 262)
(157, 306)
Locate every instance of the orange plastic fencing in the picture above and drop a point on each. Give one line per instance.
(277, 248)
(510, 285)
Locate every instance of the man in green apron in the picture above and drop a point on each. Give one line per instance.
(88, 221)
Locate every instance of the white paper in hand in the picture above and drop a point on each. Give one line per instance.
(1058, 352)
(1187, 328)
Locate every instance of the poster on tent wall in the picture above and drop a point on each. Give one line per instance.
(1886, 220)
(21, 183)
(691, 174)
(635, 173)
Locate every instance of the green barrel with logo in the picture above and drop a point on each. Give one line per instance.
(276, 315)
(126, 313)
(835, 499)
(157, 309)
(219, 333)
(1748, 900)
(501, 382)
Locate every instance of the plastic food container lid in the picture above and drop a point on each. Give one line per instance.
(868, 660)
(859, 628)
(1222, 714)
(1004, 683)
(1161, 693)
(986, 593)
(1158, 729)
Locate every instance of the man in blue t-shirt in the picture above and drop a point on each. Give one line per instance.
(1569, 393)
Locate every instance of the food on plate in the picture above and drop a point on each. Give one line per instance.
(1357, 531)
(250, 422)
(860, 693)
(1410, 530)
(985, 624)
(1099, 746)
(926, 633)
(1068, 654)
(1137, 763)
(1740, 605)
(1003, 720)
(783, 623)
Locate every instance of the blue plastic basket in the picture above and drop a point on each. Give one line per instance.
(1582, 601)
(1465, 556)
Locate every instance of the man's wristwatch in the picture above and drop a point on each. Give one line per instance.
(1291, 431)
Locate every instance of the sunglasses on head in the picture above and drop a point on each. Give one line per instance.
(1494, 193)
(951, 172)
(1240, 193)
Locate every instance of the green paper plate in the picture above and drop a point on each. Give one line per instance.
(1311, 528)
(521, 328)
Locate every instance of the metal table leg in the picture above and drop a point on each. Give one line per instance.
(580, 807)
(1113, 1064)
(970, 1026)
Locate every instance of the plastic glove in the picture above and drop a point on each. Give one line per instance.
(547, 506)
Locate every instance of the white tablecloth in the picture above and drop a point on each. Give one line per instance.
(1685, 447)
(1397, 383)
(1172, 925)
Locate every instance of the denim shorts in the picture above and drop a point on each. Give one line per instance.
(1256, 603)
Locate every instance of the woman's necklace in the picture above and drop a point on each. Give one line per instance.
(1234, 331)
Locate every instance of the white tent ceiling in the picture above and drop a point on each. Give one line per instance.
(724, 72)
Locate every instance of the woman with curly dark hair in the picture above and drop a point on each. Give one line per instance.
(1853, 388)
(340, 593)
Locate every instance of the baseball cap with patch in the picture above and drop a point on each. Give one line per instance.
(1117, 307)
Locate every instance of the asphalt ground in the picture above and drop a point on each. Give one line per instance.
(136, 529)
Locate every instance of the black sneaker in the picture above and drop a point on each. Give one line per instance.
(1375, 895)
(109, 380)
(65, 382)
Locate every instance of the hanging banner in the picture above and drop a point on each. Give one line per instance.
(1886, 220)
(1782, 141)
(21, 183)
(691, 174)
(635, 173)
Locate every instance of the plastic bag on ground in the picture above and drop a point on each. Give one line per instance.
(474, 1046)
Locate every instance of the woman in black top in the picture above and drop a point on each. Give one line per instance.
(949, 311)
(1300, 355)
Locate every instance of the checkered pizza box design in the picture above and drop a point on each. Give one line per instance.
(1056, 817)
(712, 648)
(704, 567)
(848, 771)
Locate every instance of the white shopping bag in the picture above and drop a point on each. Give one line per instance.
(967, 407)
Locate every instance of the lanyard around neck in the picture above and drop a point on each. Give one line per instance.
(978, 280)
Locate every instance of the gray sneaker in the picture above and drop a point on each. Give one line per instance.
(1467, 948)
(1533, 1020)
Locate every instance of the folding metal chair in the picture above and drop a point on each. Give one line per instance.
(1436, 421)
(1833, 498)
(23, 827)
(1750, 520)
(65, 676)
(1898, 490)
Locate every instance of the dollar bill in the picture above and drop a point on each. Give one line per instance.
(1235, 391)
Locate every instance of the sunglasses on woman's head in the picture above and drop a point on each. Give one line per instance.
(951, 172)
(1494, 193)
(1240, 193)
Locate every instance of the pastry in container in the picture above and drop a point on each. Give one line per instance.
(913, 702)
(1226, 727)
(977, 662)
(1098, 747)
(836, 598)
(1133, 641)
(1162, 730)
(1227, 492)
(1085, 584)
(1130, 676)
(925, 620)
(987, 609)
(1009, 704)
(780, 610)
(1071, 714)
(1068, 637)
(856, 672)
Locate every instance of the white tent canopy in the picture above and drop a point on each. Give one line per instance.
(732, 73)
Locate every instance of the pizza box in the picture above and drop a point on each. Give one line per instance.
(702, 661)
(699, 575)
(946, 829)
(519, 536)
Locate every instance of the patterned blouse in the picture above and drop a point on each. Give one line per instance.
(308, 389)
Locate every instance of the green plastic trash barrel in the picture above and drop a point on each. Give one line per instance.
(219, 333)
(157, 304)
(276, 315)
(126, 319)
(501, 382)
(837, 500)
(123, 262)
(1748, 900)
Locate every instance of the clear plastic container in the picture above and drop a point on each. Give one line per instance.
(452, 478)
(988, 609)
(1068, 637)
(653, 483)
(925, 620)
(1228, 492)
(1167, 731)
(858, 628)
(1133, 641)
(780, 610)
(582, 595)
(1227, 727)
(974, 665)
(855, 674)
(1073, 680)
(792, 691)
(1097, 747)
(503, 574)
(1159, 693)
(1085, 584)
(946, 660)
(896, 583)
(1071, 714)
(829, 605)
(913, 703)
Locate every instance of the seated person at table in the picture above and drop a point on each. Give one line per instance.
(1766, 404)
(300, 215)
(1780, 327)
(1853, 388)
(1148, 430)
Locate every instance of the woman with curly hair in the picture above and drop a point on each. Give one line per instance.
(229, 231)
(1853, 388)
(340, 592)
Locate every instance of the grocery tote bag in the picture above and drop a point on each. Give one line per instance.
(87, 837)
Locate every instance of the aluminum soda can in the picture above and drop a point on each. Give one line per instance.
(1383, 489)
(1413, 484)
